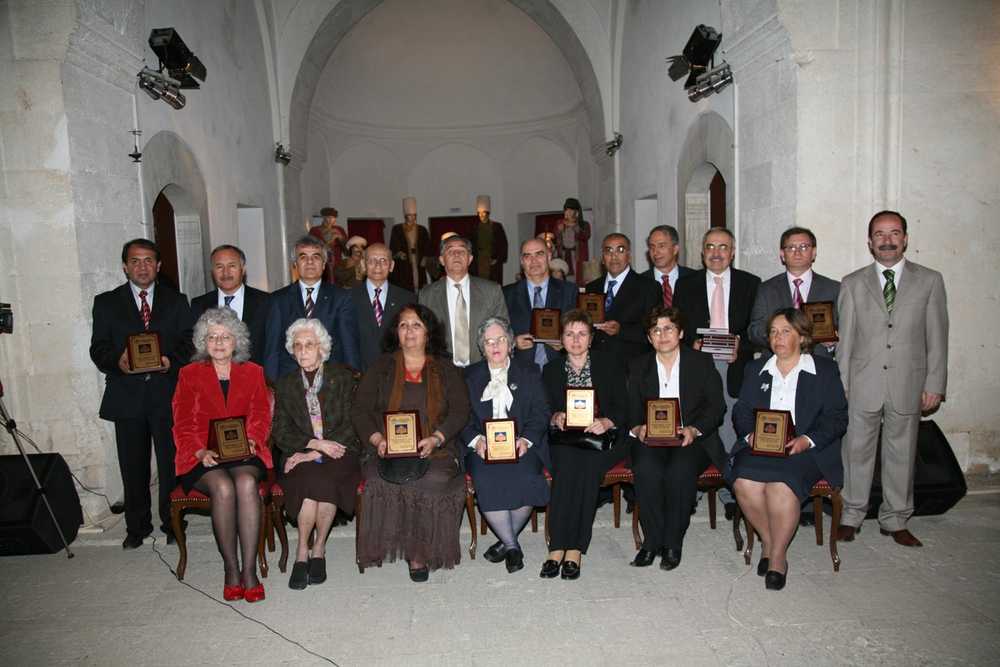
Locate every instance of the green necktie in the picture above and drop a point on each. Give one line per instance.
(889, 291)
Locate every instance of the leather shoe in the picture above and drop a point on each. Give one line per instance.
(847, 533)
(515, 560)
(762, 566)
(550, 569)
(730, 511)
(902, 537)
(643, 558)
(299, 578)
(317, 571)
(570, 570)
(775, 581)
(495, 554)
(254, 594)
(132, 541)
(420, 575)
(671, 559)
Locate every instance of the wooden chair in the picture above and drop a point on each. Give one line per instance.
(275, 517)
(709, 481)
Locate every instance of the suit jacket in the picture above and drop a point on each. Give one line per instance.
(255, 308)
(691, 297)
(681, 272)
(530, 409)
(199, 399)
(485, 300)
(292, 428)
(115, 318)
(334, 309)
(607, 379)
(369, 332)
(702, 404)
(894, 355)
(402, 273)
(499, 252)
(635, 298)
(820, 412)
(773, 294)
(561, 294)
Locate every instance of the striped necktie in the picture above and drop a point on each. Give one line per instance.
(610, 298)
(310, 304)
(668, 293)
(147, 314)
(889, 291)
(377, 305)
(537, 302)
(229, 300)
(797, 297)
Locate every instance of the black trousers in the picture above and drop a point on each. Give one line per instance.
(666, 485)
(576, 482)
(134, 437)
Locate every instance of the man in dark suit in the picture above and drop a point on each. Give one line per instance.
(251, 305)
(537, 290)
(140, 403)
(629, 297)
(310, 297)
(376, 302)
(796, 285)
(663, 246)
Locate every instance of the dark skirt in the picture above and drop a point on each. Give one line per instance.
(507, 486)
(799, 472)
(333, 481)
(191, 477)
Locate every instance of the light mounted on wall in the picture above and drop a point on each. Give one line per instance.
(136, 155)
(282, 154)
(160, 86)
(614, 145)
(697, 62)
(178, 69)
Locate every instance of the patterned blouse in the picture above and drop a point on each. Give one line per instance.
(581, 378)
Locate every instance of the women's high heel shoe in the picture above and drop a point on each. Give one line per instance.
(255, 594)
(232, 593)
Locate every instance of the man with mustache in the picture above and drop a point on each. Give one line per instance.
(893, 358)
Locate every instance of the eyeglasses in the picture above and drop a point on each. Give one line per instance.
(801, 247)
(490, 342)
(723, 247)
(219, 338)
(663, 331)
(377, 260)
(610, 250)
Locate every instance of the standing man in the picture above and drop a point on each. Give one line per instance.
(410, 245)
(462, 302)
(663, 245)
(251, 305)
(310, 297)
(537, 290)
(893, 361)
(489, 243)
(796, 285)
(376, 302)
(333, 237)
(629, 296)
(139, 404)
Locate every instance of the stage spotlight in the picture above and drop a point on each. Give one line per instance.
(176, 57)
(698, 64)
(710, 82)
(159, 86)
(282, 154)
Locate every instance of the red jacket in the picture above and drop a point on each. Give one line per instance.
(198, 399)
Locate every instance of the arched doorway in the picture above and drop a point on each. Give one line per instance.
(165, 236)
(704, 169)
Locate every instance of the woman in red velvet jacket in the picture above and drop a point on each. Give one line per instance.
(220, 383)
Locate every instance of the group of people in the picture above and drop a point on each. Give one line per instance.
(460, 352)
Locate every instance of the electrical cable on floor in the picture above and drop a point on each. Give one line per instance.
(237, 611)
(753, 636)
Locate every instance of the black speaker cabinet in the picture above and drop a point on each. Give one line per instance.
(25, 524)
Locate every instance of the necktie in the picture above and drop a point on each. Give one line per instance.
(889, 291)
(537, 302)
(797, 296)
(377, 305)
(668, 294)
(310, 304)
(461, 355)
(610, 298)
(718, 310)
(147, 315)
(229, 300)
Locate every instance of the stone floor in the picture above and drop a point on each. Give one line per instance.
(938, 605)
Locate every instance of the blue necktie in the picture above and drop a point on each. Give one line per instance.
(610, 298)
(540, 357)
(229, 299)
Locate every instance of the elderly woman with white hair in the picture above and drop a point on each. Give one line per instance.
(320, 451)
(220, 383)
(501, 387)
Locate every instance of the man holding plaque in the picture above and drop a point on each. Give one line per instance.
(796, 285)
(536, 291)
(893, 357)
(138, 402)
(663, 247)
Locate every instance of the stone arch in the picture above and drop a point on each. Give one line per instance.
(708, 148)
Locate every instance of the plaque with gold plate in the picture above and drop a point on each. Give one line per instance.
(820, 313)
(144, 354)
(501, 440)
(593, 305)
(773, 430)
(227, 437)
(663, 422)
(581, 407)
(402, 433)
(546, 325)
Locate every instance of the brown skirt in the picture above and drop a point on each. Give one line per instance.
(333, 481)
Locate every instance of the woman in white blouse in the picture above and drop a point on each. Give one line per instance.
(770, 490)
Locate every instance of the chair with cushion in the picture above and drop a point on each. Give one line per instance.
(709, 481)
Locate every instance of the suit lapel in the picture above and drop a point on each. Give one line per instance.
(298, 306)
(324, 305)
(249, 305)
(871, 282)
(128, 305)
(803, 408)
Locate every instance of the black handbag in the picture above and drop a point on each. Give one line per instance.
(402, 470)
(581, 440)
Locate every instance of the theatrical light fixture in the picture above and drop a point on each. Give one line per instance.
(136, 154)
(282, 154)
(697, 62)
(614, 145)
(176, 57)
(160, 86)
(712, 81)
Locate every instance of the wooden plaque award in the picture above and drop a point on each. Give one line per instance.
(144, 352)
(663, 422)
(501, 440)
(402, 433)
(227, 437)
(580, 407)
(546, 325)
(717, 342)
(592, 304)
(773, 429)
(820, 313)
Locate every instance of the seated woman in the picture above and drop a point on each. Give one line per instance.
(503, 388)
(580, 458)
(666, 478)
(771, 490)
(320, 452)
(220, 383)
(413, 506)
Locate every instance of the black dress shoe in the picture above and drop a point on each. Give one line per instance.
(643, 558)
(420, 575)
(730, 511)
(317, 571)
(550, 569)
(132, 541)
(495, 554)
(762, 566)
(515, 560)
(671, 559)
(299, 578)
(570, 570)
(775, 581)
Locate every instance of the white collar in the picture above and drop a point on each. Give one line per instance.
(806, 363)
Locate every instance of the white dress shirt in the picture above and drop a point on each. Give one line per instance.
(315, 292)
(670, 384)
(452, 295)
(807, 281)
(237, 302)
(783, 388)
(381, 295)
(619, 279)
(149, 295)
(672, 276)
(897, 269)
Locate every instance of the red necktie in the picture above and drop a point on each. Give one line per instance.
(668, 294)
(797, 296)
(377, 305)
(147, 315)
